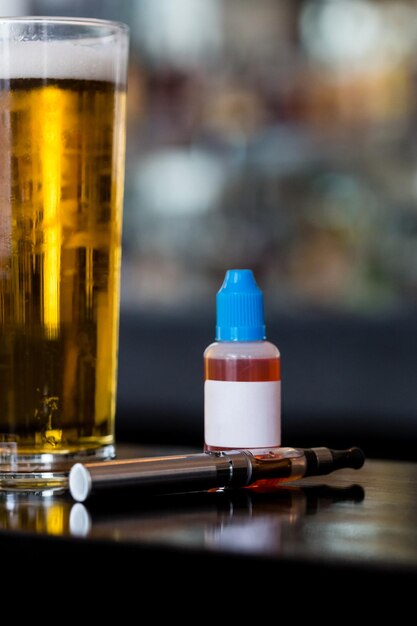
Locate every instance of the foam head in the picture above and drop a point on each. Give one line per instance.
(45, 55)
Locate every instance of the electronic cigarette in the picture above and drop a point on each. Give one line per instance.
(207, 470)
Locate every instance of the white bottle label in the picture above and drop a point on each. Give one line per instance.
(242, 414)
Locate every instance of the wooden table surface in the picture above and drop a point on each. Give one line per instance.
(362, 521)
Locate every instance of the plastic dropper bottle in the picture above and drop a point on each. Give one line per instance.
(242, 388)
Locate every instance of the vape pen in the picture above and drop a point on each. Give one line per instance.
(207, 470)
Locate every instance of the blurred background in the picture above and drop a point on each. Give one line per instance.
(281, 136)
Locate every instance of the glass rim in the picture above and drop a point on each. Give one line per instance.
(68, 21)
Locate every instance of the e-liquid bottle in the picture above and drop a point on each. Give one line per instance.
(242, 387)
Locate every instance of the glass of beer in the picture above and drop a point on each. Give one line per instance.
(62, 153)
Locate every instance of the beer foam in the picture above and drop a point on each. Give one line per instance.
(60, 60)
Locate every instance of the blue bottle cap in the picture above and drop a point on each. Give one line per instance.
(240, 308)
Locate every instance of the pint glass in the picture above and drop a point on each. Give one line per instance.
(62, 150)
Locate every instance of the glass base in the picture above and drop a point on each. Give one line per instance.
(43, 474)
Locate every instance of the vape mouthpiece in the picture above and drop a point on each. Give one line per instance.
(322, 461)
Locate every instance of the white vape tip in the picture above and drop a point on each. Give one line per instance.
(79, 482)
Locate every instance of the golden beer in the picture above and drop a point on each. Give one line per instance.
(61, 193)
(62, 146)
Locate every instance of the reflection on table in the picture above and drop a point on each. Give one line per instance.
(365, 519)
(242, 520)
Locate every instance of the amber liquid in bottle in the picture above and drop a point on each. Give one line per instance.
(246, 369)
(242, 362)
(250, 369)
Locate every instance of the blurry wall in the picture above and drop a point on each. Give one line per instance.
(279, 136)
